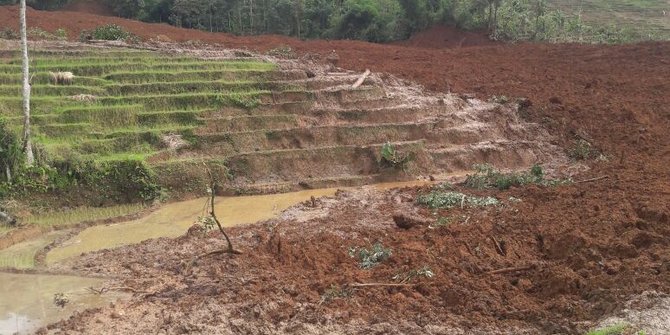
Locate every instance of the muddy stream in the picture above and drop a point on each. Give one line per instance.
(27, 300)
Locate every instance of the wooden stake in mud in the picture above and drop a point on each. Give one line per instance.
(212, 196)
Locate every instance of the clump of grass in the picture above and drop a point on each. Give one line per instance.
(445, 200)
(486, 176)
(108, 32)
(336, 292)
(616, 329)
(83, 214)
(369, 258)
(240, 100)
(392, 157)
(582, 150)
(9, 34)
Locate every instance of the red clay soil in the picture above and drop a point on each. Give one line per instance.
(586, 247)
(440, 37)
(89, 6)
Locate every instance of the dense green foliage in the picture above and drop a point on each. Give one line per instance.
(373, 20)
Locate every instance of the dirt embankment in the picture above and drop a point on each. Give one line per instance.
(440, 37)
(89, 6)
(550, 264)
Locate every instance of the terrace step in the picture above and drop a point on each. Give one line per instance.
(503, 154)
(249, 123)
(297, 164)
(52, 90)
(312, 183)
(208, 75)
(311, 137)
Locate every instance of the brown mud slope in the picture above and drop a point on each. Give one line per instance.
(548, 264)
(591, 245)
(440, 36)
(89, 6)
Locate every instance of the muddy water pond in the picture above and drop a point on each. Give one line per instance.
(27, 301)
(172, 220)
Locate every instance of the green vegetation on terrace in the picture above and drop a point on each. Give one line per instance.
(120, 109)
(651, 17)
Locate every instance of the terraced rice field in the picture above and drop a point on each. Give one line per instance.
(267, 126)
(138, 97)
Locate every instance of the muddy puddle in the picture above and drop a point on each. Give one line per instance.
(27, 301)
(172, 220)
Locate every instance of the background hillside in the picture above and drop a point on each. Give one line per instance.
(652, 16)
(590, 21)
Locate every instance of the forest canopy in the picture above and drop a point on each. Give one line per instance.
(370, 20)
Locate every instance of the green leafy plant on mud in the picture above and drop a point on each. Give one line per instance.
(369, 258)
(335, 292)
(392, 157)
(486, 176)
(438, 199)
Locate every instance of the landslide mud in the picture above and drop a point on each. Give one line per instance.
(573, 266)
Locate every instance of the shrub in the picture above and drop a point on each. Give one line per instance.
(393, 158)
(10, 152)
(582, 150)
(9, 34)
(109, 32)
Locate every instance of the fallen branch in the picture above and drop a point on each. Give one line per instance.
(499, 248)
(379, 284)
(591, 180)
(361, 79)
(513, 269)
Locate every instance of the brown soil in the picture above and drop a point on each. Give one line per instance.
(585, 248)
(439, 37)
(89, 6)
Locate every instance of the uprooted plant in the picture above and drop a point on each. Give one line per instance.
(449, 199)
(369, 258)
(486, 176)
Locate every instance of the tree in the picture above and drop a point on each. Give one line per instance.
(27, 144)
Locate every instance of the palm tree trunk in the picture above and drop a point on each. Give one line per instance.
(27, 144)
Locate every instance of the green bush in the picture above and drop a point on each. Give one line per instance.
(124, 180)
(11, 156)
(109, 32)
(393, 158)
(9, 34)
(582, 150)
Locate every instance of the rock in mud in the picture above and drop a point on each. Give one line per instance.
(405, 221)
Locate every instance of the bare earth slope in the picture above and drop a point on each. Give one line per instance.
(586, 248)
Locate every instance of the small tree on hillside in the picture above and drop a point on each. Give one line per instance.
(27, 144)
